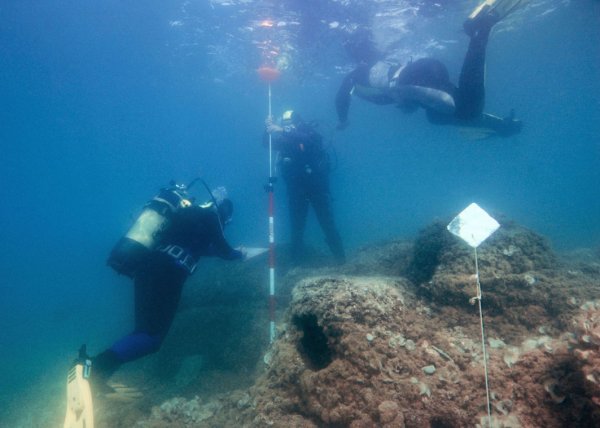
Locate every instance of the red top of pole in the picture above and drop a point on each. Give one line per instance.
(268, 74)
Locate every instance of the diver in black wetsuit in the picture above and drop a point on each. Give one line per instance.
(425, 83)
(193, 231)
(305, 169)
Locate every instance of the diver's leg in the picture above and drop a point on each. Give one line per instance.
(103, 367)
(321, 202)
(470, 98)
(471, 92)
(298, 208)
(157, 292)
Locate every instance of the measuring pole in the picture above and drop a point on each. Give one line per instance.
(270, 74)
(270, 189)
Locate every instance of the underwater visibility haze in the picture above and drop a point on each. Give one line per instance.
(105, 102)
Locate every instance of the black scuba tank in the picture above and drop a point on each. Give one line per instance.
(144, 236)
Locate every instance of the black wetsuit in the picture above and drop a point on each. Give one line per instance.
(469, 96)
(193, 232)
(305, 168)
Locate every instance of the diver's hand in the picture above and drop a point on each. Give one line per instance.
(271, 126)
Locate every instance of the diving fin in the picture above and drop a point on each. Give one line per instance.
(490, 12)
(498, 8)
(503, 127)
(80, 409)
(489, 125)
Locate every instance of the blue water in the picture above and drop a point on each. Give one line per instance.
(104, 102)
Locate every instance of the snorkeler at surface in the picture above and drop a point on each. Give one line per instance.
(425, 82)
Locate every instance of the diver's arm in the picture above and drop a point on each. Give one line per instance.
(220, 245)
(273, 131)
(428, 98)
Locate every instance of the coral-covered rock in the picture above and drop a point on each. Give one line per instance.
(587, 348)
(390, 258)
(363, 352)
(523, 284)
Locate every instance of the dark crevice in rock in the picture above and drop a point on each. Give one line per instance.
(442, 422)
(313, 346)
(428, 249)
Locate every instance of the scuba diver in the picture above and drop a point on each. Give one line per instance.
(305, 168)
(159, 253)
(425, 82)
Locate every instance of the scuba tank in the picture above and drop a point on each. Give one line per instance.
(144, 236)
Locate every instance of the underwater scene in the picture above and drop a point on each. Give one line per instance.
(300, 213)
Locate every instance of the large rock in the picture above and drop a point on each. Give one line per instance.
(366, 352)
(524, 285)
